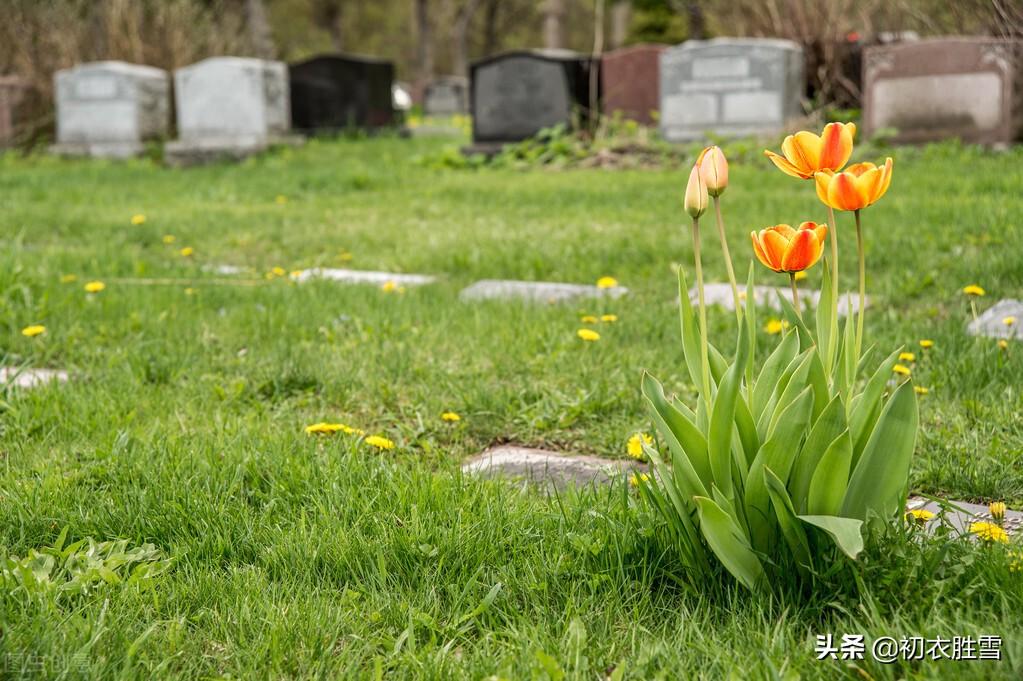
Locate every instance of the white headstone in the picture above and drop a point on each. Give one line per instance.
(730, 86)
(110, 108)
(537, 291)
(230, 106)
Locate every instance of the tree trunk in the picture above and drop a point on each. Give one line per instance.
(490, 27)
(424, 47)
(462, 23)
(554, 24)
(697, 22)
(259, 29)
(330, 14)
(621, 17)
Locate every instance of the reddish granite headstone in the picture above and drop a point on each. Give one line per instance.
(630, 82)
(12, 89)
(941, 88)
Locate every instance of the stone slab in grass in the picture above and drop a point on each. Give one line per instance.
(537, 291)
(992, 322)
(544, 467)
(366, 277)
(767, 296)
(31, 378)
(963, 514)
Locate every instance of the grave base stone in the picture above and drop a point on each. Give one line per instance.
(31, 378)
(183, 153)
(992, 322)
(767, 296)
(544, 467)
(536, 291)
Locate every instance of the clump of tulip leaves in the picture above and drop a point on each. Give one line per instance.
(779, 472)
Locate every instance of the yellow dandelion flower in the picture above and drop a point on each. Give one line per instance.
(775, 326)
(169, 239)
(997, 509)
(68, 278)
(190, 291)
(801, 275)
(278, 271)
(926, 344)
(450, 416)
(348, 430)
(281, 199)
(344, 256)
(901, 370)
(324, 428)
(138, 219)
(389, 287)
(986, 531)
(921, 515)
(1003, 344)
(607, 282)
(920, 390)
(94, 287)
(609, 318)
(1009, 321)
(1016, 561)
(588, 335)
(635, 479)
(187, 252)
(33, 330)
(636, 442)
(907, 357)
(973, 290)
(379, 442)
(295, 274)
(588, 319)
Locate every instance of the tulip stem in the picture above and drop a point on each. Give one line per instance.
(863, 287)
(833, 337)
(795, 294)
(704, 352)
(728, 258)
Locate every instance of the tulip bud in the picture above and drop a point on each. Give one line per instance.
(997, 509)
(714, 170)
(696, 194)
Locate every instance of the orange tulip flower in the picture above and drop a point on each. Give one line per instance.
(784, 249)
(858, 186)
(806, 153)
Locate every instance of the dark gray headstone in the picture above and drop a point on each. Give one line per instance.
(446, 96)
(517, 94)
(730, 86)
(339, 91)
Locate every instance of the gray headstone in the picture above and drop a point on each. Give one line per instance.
(543, 467)
(537, 291)
(962, 514)
(730, 86)
(366, 277)
(992, 322)
(110, 108)
(446, 96)
(767, 296)
(230, 107)
(30, 378)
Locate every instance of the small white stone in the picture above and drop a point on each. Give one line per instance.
(542, 467)
(30, 378)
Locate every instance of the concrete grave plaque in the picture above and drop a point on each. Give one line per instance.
(366, 277)
(31, 378)
(230, 107)
(515, 95)
(536, 291)
(110, 108)
(767, 296)
(448, 96)
(543, 467)
(1003, 320)
(963, 514)
(941, 88)
(12, 89)
(338, 91)
(630, 82)
(730, 86)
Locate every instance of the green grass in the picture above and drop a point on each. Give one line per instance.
(307, 557)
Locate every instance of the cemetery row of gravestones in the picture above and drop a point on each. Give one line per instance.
(970, 88)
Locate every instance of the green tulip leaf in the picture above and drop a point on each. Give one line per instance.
(730, 545)
(845, 532)
(827, 488)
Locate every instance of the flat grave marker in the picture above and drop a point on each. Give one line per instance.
(24, 377)
(109, 109)
(992, 322)
(939, 88)
(365, 277)
(543, 467)
(767, 296)
(536, 291)
(960, 520)
(730, 86)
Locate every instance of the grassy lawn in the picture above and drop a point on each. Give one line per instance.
(304, 557)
